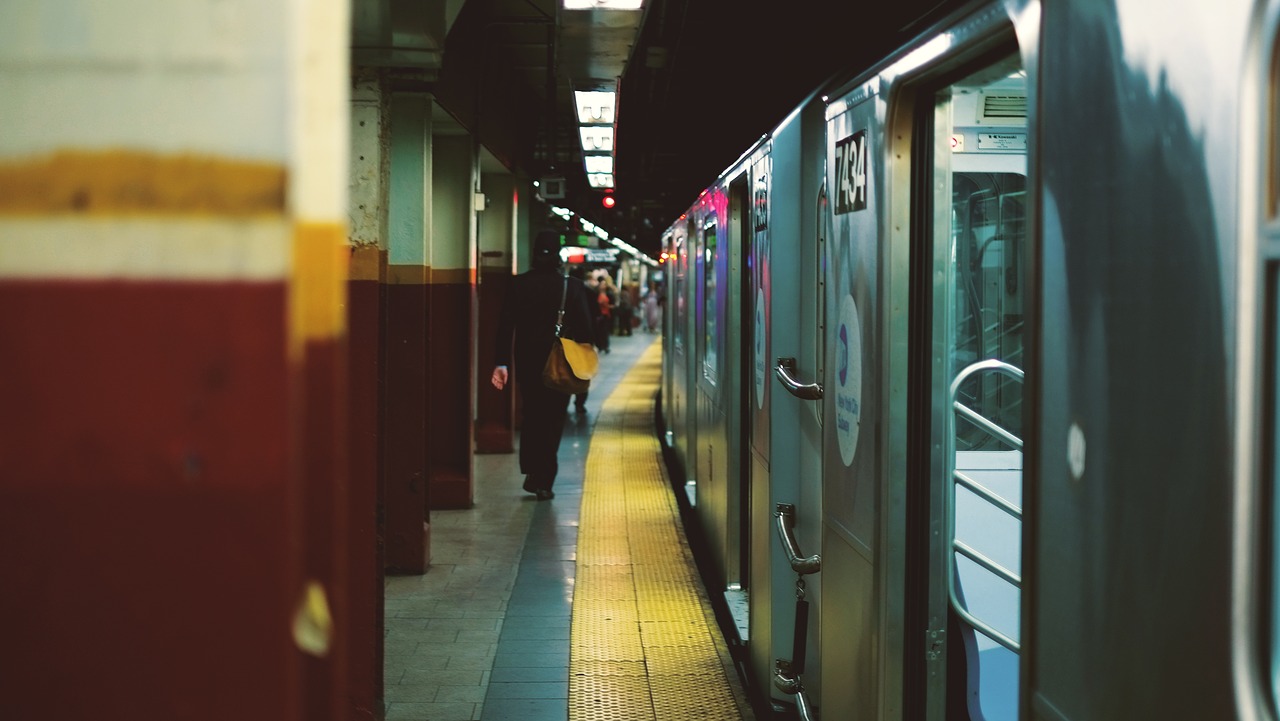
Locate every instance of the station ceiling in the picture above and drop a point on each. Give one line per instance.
(699, 81)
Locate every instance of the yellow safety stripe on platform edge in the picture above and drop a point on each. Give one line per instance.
(643, 645)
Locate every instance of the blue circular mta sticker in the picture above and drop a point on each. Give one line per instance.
(848, 388)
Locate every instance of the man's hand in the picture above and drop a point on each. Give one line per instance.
(499, 377)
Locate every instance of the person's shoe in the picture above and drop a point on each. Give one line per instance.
(545, 494)
(528, 486)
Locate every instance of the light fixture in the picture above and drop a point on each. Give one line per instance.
(595, 106)
(598, 163)
(603, 4)
(600, 180)
(596, 138)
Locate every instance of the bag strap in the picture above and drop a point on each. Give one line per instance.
(563, 294)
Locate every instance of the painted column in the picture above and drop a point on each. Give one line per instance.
(370, 171)
(495, 410)
(406, 362)
(172, 273)
(452, 309)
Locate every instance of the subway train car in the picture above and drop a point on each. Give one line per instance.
(971, 373)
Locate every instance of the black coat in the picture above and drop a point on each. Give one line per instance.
(529, 314)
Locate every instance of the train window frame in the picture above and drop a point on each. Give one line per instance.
(1256, 570)
(680, 263)
(709, 249)
(823, 230)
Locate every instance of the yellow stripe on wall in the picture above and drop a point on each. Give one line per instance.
(318, 288)
(451, 276)
(127, 182)
(368, 262)
(426, 275)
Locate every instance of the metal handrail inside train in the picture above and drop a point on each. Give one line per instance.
(985, 366)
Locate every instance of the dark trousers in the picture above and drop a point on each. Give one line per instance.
(540, 431)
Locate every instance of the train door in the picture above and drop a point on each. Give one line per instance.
(679, 322)
(668, 359)
(789, 608)
(757, 532)
(719, 379)
(713, 377)
(853, 608)
(965, 410)
(740, 314)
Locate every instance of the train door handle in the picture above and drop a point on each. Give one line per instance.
(804, 391)
(785, 515)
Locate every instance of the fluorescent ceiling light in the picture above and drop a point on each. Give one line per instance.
(595, 106)
(598, 163)
(596, 139)
(600, 180)
(603, 4)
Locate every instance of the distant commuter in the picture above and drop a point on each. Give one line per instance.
(606, 299)
(652, 311)
(529, 315)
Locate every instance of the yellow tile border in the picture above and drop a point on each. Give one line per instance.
(639, 606)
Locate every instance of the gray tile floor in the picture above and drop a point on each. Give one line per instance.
(484, 634)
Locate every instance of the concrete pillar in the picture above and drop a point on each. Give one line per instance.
(451, 360)
(172, 277)
(367, 235)
(406, 362)
(495, 410)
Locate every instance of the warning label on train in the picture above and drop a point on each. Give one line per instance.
(851, 173)
(848, 395)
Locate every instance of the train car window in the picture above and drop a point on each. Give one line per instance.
(988, 231)
(680, 265)
(711, 331)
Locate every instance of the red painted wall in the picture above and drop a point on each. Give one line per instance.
(405, 422)
(450, 379)
(365, 589)
(148, 502)
(494, 409)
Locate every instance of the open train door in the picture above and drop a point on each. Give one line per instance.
(965, 407)
(925, 289)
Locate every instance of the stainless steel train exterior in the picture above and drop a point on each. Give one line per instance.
(971, 362)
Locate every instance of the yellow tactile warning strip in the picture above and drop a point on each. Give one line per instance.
(643, 644)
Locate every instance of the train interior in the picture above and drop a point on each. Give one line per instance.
(983, 324)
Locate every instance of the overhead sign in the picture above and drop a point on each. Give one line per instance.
(602, 255)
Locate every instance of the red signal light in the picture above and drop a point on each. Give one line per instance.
(608, 201)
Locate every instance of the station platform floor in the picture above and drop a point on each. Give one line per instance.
(584, 607)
